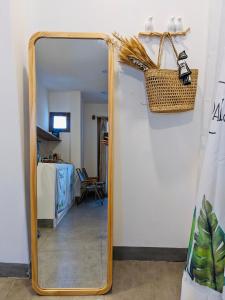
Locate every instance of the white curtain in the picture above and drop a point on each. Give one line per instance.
(204, 277)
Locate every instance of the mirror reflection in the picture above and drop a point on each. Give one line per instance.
(72, 162)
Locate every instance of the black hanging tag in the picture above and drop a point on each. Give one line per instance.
(186, 80)
(182, 55)
(183, 69)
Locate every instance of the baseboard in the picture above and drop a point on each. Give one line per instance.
(119, 253)
(14, 270)
(149, 253)
(45, 223)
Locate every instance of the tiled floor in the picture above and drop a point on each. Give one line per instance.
(132, 280)
(74, 254)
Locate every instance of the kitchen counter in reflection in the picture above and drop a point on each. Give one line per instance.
(55, 192)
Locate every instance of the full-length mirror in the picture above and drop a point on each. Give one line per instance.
(71, 163)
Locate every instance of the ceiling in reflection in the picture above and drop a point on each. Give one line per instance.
(73, 64)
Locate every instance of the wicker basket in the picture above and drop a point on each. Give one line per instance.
(165, 91)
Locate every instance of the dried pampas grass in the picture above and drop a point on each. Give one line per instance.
(133, 53)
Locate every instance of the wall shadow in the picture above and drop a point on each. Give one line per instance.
(26, 128)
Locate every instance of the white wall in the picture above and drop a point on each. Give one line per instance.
(90, 135)
(70, 147)
(13, 229)
(156, 156)
(42, 106)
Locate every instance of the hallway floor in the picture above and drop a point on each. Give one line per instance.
(74, 254)
(136, 280)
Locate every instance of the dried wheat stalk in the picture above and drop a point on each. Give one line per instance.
(133, 53)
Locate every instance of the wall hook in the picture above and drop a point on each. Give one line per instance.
(179, 24)
(172, 25)
(159, 34)
(149, 24)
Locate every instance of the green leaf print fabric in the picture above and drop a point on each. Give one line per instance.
(206, 259)
(203, 278)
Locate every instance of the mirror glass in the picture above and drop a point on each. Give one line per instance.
(72, 162)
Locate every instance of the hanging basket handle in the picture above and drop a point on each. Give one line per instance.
(162, 40)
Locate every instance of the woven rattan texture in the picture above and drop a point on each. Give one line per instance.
(166, 92)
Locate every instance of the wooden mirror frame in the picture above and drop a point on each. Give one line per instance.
(33, 162)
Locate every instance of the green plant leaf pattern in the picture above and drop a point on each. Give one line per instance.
(191, 240)
(206, 254)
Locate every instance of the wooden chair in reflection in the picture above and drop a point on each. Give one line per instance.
(101, 184)
(89, 185)
(86, 175)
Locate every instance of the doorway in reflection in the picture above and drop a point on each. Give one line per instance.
(72, 162)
